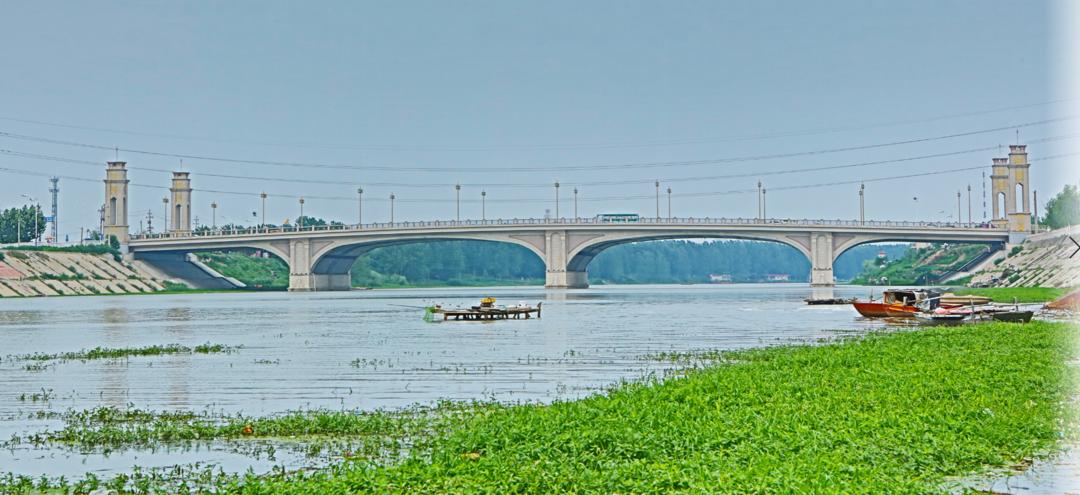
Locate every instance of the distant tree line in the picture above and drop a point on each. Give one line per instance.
(1063, 209)
(17, 224)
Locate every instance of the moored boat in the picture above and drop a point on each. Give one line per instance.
(895, 303)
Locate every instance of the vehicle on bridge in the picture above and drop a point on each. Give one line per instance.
(618, 217)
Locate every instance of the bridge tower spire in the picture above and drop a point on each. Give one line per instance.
(181, 200)
(115, 223)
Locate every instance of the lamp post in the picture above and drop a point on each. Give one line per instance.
(37, 212)
(556, 201)
(213, 208)
(862, 204)
(457, 202)
(300, 221)
(969, 204)
(759, 200)
(669, 204)
(392, 209)
(483, 205)
(764, 212)
(165, 219)
(658, 200)
(575, 205)
(262, 196)
(359, 207)
(1035, 203)
(959, 218)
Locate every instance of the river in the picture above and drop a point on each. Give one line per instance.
(363, 350)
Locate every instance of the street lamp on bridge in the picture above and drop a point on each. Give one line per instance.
(392, 209)
(862, 204)
(556, 201)
(658, 200)
(764, 212)
(669, 203)
(164, 219)
(483, 205)
(359, 207)
(213, 208)
(300, 221)
(262, 196)
(457, 201)
(575, 204)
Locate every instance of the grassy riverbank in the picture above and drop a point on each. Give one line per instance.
(1019, 294)
(888, 413)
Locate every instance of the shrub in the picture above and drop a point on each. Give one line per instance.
(1015, 250)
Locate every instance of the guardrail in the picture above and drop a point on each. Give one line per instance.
(267, 230)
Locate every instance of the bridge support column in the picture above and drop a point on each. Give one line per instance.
(301, 276)
(821, 259)
(556, 259)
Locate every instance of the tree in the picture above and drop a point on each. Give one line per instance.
(18, 224)
(1064, 209)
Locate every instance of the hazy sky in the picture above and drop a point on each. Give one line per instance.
(518, 95)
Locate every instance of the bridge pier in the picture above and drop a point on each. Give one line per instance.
(312, 282)
(563, 279)
(821, 259)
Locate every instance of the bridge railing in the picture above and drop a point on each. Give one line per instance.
(428, 224)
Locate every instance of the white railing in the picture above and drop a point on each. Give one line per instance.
(259, 230)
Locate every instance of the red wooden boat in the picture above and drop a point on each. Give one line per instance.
(893, 304)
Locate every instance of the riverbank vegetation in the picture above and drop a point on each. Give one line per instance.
(923, 265)
(902, 412)
(1017, 294)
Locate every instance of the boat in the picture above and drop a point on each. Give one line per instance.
(950, 300)
(942, 318)
(896, 303)
(1013, 316)
(487, 310)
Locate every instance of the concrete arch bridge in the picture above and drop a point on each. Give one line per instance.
(320, 258)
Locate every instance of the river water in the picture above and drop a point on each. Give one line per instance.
(363, 350)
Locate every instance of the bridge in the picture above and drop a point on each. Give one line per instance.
(320, 258)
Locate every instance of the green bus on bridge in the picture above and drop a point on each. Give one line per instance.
(618, 217)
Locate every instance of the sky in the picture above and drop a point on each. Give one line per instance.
(410, 98)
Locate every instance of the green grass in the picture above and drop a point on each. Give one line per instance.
(888, 413)
(83, 248)
(112, 353)
(1021, 294)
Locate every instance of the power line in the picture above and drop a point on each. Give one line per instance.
(568, 146)
(546, 200)
(529, 169)
(429, 185)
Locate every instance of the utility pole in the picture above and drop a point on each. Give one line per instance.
(658, 200)
(984, 195)
(391, 209)
(483, 205)
(359, 207)
(669, 204)
(1035, 219)
(969, 204)
(958, 217)
(55, 191)
(862, 204)
(262, 196)
(300, 220)
(213, 208)
(36, 209)
(457, 201)
(556, 201)
(149, 221)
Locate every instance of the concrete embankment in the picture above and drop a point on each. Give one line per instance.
(50, 273)
(1042, 260)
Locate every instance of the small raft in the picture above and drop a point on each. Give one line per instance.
(487, 310)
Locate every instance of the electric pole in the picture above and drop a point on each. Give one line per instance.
(392, 209)
(300, 220)
(55, 191)
(262, 196)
